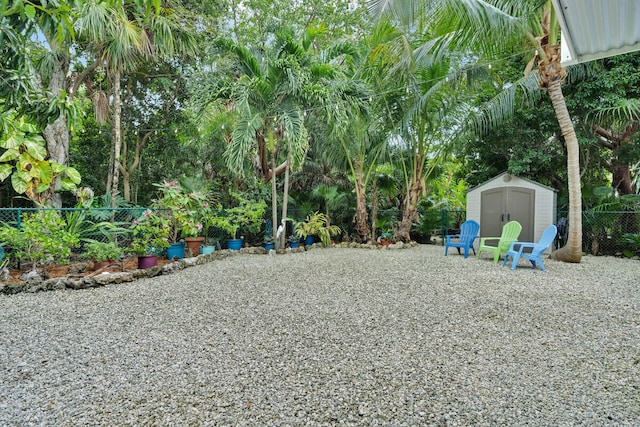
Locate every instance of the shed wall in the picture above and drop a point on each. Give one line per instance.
(545, 200)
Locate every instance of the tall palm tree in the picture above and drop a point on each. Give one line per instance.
(490, 27)
(422, 101)
(121, 35)
(272, 92)
(357, 148)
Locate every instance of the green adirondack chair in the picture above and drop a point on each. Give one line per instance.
(510, 233)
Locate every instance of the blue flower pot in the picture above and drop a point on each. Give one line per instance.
(294, 245)
(176, 251)
(206, 250)
(234, 244)
(309, 240)
(269, 245)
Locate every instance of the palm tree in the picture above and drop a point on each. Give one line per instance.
(490, 28)
(358, 148)
(423, 105)
(271, 92)
(121, 35)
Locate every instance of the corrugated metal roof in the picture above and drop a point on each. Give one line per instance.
(594, 29)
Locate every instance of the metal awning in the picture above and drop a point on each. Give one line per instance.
(594, 29)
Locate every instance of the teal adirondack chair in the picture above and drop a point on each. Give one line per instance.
(510, 233)
(536, 253)
(468, 234)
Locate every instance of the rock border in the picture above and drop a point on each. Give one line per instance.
(72, 282)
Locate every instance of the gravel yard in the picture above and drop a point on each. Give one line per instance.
(331, 337)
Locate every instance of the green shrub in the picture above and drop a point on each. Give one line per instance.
(42, 239)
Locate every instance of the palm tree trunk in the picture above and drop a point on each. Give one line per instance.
(409, 212)
(117, 138)
(285, 201)
(274, 198)
(572, 251)
(374, 208)
(361, 203)
(56, 135)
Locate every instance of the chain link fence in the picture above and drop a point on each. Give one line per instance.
(607, 233)
(603, 233)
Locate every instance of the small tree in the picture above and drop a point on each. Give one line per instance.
(42, 239)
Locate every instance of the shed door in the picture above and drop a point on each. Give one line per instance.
(504, 204)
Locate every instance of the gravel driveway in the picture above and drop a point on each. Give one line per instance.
(331, 337)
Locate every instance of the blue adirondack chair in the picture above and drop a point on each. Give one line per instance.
(468, 234)
(536, 254)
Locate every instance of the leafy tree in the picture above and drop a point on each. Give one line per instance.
(608, 104)
(120, 36)
(35, 79)
(491, 28)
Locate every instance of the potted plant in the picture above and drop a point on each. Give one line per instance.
(208, 220)
(294, 241)
(102, 253)
(150, 236)
(184, 211)
(268, 242)
(191, 230)
(248, 215)
(316, 225)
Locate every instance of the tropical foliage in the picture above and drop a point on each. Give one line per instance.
(369, 112)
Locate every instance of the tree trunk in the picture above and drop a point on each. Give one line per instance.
(56, 134)
(285, 201)
(409, 212)
(572, 251)
(621, 177)
(117, 138)
(374, 208)
(274, 199)
(361, 203)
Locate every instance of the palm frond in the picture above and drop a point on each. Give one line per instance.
(624, 112)
(242, 141)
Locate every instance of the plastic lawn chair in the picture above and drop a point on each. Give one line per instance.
(510, 233)
(535, 256)
(468, 234)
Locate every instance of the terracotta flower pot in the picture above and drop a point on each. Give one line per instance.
(102, 264)
(194, 244)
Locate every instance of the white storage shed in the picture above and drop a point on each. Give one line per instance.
(507, 198)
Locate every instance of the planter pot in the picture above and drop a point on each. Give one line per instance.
(269, 246)
(147, 261)
(102, 264)
(308, 241)
(194, 244)
(294, 245)
(234, 244)
(206, 250)
(176, 251)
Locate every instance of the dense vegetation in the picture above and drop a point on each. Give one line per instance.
(318, 105)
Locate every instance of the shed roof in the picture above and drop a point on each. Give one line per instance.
(506, 173)
(594, 29)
